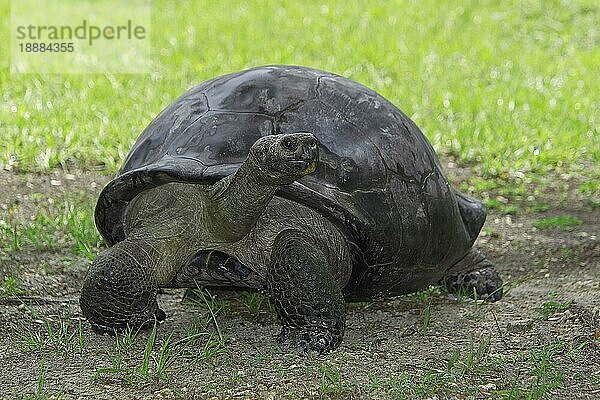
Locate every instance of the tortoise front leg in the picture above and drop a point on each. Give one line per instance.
(119, 290)
(309, 303)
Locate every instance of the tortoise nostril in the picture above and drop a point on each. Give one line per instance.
(309, 151)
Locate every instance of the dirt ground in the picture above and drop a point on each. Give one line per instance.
(541, 341)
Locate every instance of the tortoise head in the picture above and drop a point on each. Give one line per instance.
(282, 159)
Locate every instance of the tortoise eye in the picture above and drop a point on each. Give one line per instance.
(288, 144)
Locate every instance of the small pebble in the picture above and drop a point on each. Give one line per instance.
(488, 387)
(520, 325)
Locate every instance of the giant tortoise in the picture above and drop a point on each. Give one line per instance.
(299, 183)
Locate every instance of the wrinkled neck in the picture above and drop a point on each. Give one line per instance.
(237, 201)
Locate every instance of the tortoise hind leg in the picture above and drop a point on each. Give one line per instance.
(309, 303)
(118, 290)
(474, 275)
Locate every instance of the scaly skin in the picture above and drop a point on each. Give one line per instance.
(301, 259)
(120, 288)
(309, 304)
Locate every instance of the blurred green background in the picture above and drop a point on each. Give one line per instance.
(510, 87)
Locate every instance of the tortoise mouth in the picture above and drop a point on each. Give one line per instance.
(306, 166)
(292, 169)
(295, 166)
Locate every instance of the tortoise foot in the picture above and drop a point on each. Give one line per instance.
(484, 283)
(118, 292)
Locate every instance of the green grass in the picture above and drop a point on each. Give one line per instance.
(426, 319)
(560, 221)
(10, 287)
(544, 375)
(467, 373)
(214, 306)
(423, 298)
(58, 336)
(494, 204)
(552, 307)
(40, 392)
(68, 220)
(541, 207)
(590, 190)
(509, 85)
(136, 364)
(255, 302)
(333, 383)
(589, 187)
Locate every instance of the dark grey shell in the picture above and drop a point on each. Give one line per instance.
(379, 179)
